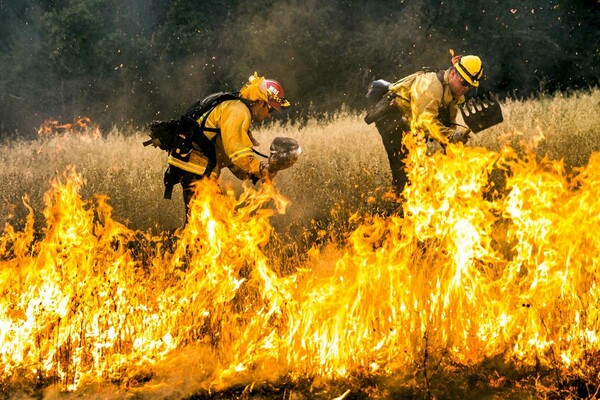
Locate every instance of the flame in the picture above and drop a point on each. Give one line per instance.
(473, 270)
(81, 126)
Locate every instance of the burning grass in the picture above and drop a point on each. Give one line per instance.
(482, 289)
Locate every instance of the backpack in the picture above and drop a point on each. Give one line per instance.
(381, 98)
(177, 135)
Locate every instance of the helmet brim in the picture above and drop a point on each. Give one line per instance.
(279, 106)
(463, 73)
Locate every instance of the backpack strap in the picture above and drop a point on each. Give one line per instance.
(207, 145)
(443, 112)
(440, 76)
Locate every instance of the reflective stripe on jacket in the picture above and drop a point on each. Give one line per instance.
(233, 144)
(421, 96)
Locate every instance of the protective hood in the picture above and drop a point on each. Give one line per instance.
(254, 89)
(268, 90)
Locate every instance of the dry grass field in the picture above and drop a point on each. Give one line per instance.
(343, 162)
(464, 297)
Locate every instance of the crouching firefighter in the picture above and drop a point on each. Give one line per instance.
(425, 101)
(215, 134)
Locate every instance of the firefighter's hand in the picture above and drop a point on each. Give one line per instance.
(284, 153)
(267, 171)
(460, 136)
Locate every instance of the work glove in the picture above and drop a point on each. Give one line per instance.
(267, 171)
(284, 153)
(460, 136)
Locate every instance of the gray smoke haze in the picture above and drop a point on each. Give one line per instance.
(128, 62)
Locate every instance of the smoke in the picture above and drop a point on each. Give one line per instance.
(126, 63)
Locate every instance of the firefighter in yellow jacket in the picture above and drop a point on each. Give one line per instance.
(226, 130)
(426, 101)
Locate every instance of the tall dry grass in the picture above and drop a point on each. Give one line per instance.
(343, 169)
(567, 126)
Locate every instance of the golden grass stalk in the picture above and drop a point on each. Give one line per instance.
(342, 170)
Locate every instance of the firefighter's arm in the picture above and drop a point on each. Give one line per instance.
(426, 96)
(235, 125)
(459, 135)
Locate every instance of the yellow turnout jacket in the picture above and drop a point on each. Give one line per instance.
(422, 97)
(233, 144)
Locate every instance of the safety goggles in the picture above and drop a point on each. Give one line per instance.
(463, 82)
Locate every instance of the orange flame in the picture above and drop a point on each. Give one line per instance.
(82, 126)
(472, 271)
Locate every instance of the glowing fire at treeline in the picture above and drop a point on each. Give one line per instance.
(464, 275)
(82, 125)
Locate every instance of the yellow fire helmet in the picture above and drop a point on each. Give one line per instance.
(269, 90)
(470, 68)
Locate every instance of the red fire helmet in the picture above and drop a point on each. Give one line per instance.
(276, 94)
